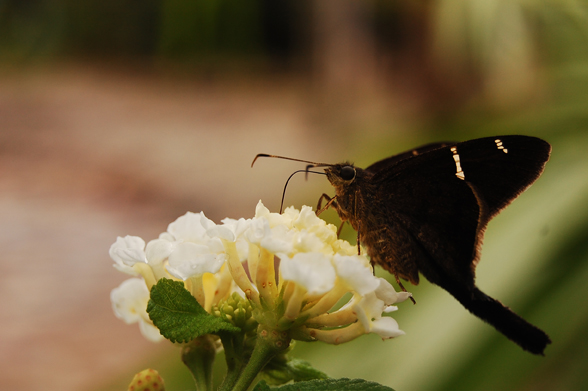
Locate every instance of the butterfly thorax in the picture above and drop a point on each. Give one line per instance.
(359, 202)
(352, 195)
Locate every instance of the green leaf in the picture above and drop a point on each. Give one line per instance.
(303, 370)
(262, 386)
(326, 385)
(178, 316)
(278, 372)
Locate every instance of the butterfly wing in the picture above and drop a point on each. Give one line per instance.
(437, 204)
(388, 162)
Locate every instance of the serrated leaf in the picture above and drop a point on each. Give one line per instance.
(262, 386)
(303, 370)
(326, 385)
(178, 316)
(276, 373)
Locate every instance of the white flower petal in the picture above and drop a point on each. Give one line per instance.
(368, 308)
(388, 294)
(167, 236)
(306, 242)
(343, 247)
(126, 269)
(150, 332)
(129, 300)
(215, 245)
(274, 219)
(291, 213)
(127, 251)
(369, 313)
(189, 227)
(257, 230)
(390, 308)
(206, 222)
(193, 260)
(158, 250)
(313, 271)
(354, 274)
(237, 226)
(386, 327)
(279, 241)
(307, 219)
(218, 231)
(327, 233)
(261, 210)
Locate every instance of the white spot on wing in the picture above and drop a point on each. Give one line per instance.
(500, 146)
(459, 172)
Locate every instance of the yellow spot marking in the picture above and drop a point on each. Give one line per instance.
(500, 146)
(460, 174)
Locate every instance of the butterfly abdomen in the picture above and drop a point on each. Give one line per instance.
(515, 328)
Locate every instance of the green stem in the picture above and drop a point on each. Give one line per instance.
(234, 361)
(269, 344)
(199, 357)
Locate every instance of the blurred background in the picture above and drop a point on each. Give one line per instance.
(116, 117)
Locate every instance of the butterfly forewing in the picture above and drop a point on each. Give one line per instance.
(388, 162)
(500, 168)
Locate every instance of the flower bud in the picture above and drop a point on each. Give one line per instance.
(236, 310)
(147, 380)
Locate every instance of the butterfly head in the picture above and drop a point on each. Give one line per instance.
(341, 174)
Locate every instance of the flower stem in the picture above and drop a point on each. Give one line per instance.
(269, 344)
(198, 357)
(233, 359)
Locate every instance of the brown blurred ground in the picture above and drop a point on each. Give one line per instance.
(87, 155)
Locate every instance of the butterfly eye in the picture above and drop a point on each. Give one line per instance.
(347, 173)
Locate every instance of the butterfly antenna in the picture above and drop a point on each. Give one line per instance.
(288, 180)
(312, 164)
(307, 170)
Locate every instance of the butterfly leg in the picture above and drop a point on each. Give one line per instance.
(340, 229)
(358, 240)
(358, 222)
(403, 288)
(330, 202)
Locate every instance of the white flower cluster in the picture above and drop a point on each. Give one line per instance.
(291, 266)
